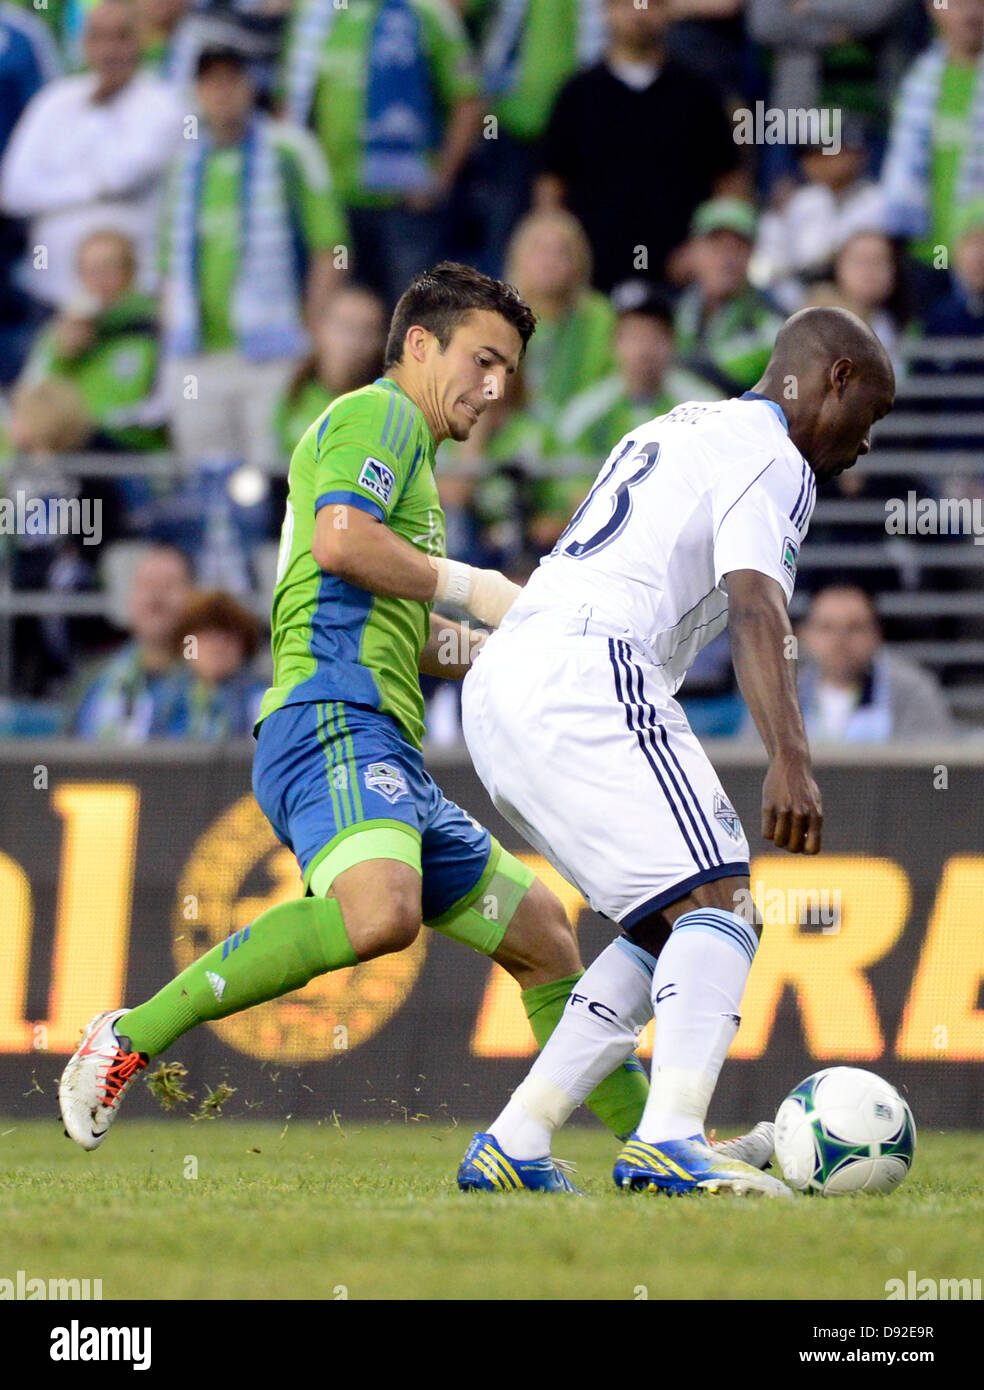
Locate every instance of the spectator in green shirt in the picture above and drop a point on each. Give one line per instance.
(646, 382)
(105, 343)
(549, 262)
(529, 48)
(934, 163)
(725, 327)
(349, 338)
(390, 89)
(254, 238)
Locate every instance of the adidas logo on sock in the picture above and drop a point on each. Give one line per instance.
(217, 983)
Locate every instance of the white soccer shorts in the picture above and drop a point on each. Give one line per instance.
(584, 751)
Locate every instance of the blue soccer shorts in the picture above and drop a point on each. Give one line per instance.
(341, 784)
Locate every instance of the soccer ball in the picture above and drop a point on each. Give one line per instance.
(844, 1130)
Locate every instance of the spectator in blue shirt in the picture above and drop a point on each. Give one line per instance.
(139, 693)
(960, 312)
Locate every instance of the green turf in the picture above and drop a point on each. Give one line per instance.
(305, 1210)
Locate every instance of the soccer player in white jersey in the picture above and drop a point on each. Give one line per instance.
(695, 521)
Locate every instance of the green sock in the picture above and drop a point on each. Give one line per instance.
(284, 948)
(619, 1100)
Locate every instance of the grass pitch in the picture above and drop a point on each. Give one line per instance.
(237, 1209)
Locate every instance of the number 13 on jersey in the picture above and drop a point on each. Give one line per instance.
(609, 501)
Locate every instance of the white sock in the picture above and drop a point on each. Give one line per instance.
(697, 987)
(598, 1031)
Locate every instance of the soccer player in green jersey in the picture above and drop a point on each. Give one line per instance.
(338, 768)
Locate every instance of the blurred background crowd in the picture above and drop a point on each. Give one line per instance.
(209, 207)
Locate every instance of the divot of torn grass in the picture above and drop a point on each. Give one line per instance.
(166, 1088)
(213, 1101)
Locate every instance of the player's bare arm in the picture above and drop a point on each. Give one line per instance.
(363, 551)
(448, 640)
(792, 816)
(356, 547)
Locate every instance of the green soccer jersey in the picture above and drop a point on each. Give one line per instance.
(332, 641)
(115, 375)
(568, 354)
(732, 343)
(318, 222)
(339, 114)
(952, 126)
(546, 55)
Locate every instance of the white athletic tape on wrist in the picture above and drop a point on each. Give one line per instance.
(454, 581)
(492, 596)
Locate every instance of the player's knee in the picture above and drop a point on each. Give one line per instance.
(732, 894)
(393, 927)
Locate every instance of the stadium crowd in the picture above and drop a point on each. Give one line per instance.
(209, 207)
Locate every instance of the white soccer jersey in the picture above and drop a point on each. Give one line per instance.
(680, 502)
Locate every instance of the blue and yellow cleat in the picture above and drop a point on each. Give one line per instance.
(690, 1165)
(485, 1168)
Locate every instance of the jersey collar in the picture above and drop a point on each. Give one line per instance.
(773, 405)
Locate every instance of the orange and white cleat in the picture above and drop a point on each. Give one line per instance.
(96, 1080)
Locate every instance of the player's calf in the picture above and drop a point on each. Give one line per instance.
(540, 944)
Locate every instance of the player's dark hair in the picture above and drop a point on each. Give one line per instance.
(440, 298)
